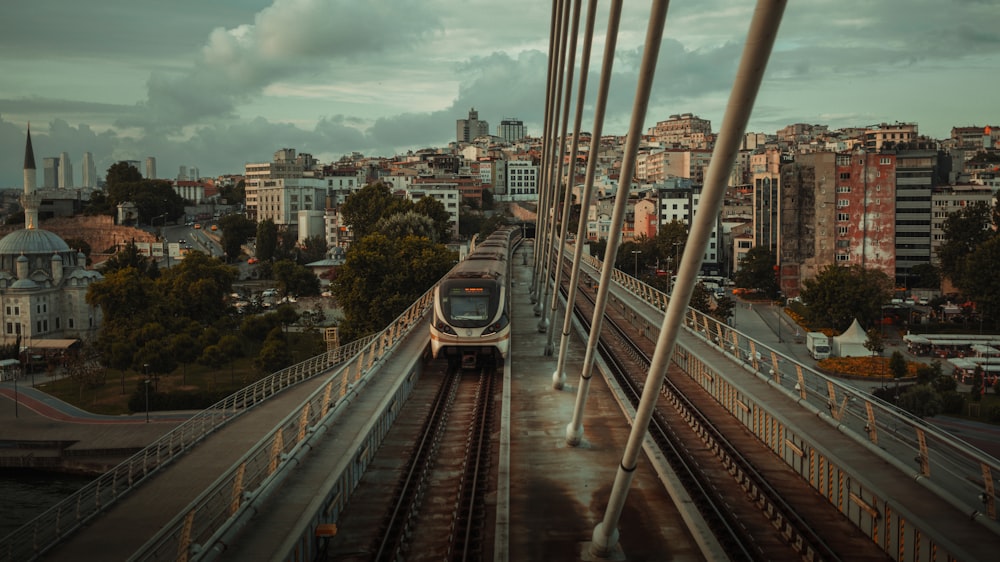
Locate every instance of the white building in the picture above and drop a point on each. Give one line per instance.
(65, 171)
(43, 282)
(522, 181)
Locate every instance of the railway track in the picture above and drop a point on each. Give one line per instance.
(725, 468)
(424, 495)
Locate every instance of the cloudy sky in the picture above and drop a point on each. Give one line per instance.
(217, 84)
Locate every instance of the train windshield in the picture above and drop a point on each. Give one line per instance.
(468, 304)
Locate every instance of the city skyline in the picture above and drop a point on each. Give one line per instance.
(215, 86)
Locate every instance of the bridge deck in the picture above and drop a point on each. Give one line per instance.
(135, 519)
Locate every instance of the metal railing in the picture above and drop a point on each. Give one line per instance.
(193, 531)
(47, 529)
(958, 472)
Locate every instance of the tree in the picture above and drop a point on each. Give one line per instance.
(440, 217)
(236, 230)
(294, 279)
(314, 248)
(875, 344)
(121, 173)
(964, 231)
(840, 294)
(383, 276)
(756, 272)
(925, 276)
(124, 296)
(274, 355)
(196, 288)
(363, 208)
(129, 256)
(185, 350)
(981, 283)
(267, 240)
(410, 223)
(897, 365)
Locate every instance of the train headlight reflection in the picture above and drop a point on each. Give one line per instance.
(496, 326)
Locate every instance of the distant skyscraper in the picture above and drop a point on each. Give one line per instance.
(50, 176)
(65, 171)
(511, 129)
(468, 129)
(182, 174)
(150, 168)
(89, 171)
(194, 174)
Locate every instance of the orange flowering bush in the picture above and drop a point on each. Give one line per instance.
(867, 366)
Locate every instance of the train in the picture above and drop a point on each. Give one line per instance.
(472, 304)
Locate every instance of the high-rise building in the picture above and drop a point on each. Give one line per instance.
(150, 168)
(65, 171)
(511, 129)
(468, 129)
(89, 171)
(182, 173)
(50, 172)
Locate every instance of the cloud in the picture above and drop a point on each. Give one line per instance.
(287, 39)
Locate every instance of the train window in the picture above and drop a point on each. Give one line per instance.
(473, 307)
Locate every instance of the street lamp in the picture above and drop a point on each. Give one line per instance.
(145, 368)
(635, 271)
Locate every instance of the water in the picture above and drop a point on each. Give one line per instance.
(25, 494)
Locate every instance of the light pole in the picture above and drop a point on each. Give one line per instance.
(145, 368)
(635, 271)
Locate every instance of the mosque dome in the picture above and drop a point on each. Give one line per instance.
(32, 241)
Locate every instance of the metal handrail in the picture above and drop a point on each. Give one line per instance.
(51, 526)
(949, 466)
(192, 531)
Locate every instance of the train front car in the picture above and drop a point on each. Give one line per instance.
(470, 315)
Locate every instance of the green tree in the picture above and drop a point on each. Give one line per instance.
(129, 256)
(314, 248)
(294, 279)
(897, 365)
(236, 230)
(924, 276)
(124, 295)
(670, 241)
(964, 231)
(921, 400)
(981, 283)
(196, 288)
(185, 350)
(267, 240)
(441, 218)
(382, 277)
(363, 208)
(840, 294)
(121, 173)
(274, 354)
(405, 224)
(756, 272)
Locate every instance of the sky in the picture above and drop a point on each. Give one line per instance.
(215, 85)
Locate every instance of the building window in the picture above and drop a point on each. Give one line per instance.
(843, 189)
(885, 161)
(843, 216)
(10, 328)
(70, 323)
(842, 230)
(843, 257)
(841, 203)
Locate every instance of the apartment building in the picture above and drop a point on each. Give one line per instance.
(949, 199)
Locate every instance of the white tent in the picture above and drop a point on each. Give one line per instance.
(852, 342)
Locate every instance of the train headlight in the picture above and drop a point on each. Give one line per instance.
(443, 327)
(496, 326)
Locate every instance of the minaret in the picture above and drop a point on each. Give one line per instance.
(30, 198)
